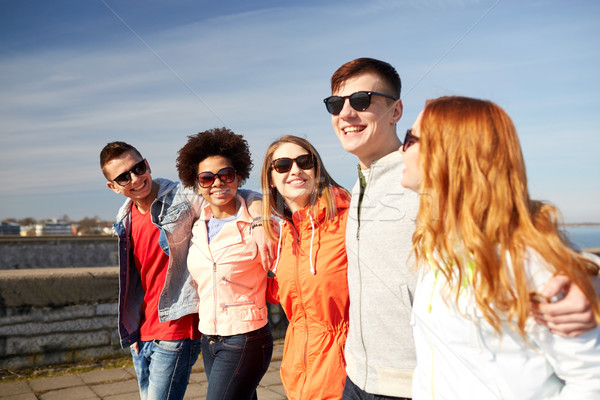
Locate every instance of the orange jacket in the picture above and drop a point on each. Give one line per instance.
(313, 291)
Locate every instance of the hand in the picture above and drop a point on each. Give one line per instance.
(568, 317)
(136, 347)
(267, 251)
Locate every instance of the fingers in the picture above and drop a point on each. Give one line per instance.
(266, 256)
(585, 319)
(569, 330)
(259, 236)
(568, 317)
(555, 285)
(271, 253)
(568, 308)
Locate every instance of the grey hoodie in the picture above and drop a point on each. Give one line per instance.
(380, 350)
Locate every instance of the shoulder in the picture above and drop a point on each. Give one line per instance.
(537, 270)
(394, 158)
(243, 213)
(124, 210)
(165, 186)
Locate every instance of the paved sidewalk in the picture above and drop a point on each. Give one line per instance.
(121, 384)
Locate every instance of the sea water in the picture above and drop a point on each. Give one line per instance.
(586, 237)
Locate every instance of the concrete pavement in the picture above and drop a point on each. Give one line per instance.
(120, 384)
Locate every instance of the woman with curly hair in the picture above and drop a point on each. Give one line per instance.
(311, 269)
(227, 267)
(485, 249)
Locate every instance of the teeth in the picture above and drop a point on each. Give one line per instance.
(352, 129)
(139, 187)
(296, 181)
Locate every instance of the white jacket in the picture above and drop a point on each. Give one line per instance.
(461, 357)
(230, 275)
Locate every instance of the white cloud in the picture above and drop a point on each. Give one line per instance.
(264, 74)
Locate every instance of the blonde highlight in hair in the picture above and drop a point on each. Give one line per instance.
(481, 219)
(273, 202)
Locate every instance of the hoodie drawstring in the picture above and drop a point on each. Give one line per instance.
(310, 255)
(312, 237)
(281, 224)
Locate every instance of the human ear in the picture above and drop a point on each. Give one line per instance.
(397, 112)
(112, 186)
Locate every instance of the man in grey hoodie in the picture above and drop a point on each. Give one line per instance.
(379, 352)
(380, 355)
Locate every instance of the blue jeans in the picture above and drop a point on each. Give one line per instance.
(234, 365)
(353, 392)
(163, 367)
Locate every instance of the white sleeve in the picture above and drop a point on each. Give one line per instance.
(575, 360)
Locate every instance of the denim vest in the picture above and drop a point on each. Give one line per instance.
(173, 211)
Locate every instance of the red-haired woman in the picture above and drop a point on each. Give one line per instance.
(484, 249)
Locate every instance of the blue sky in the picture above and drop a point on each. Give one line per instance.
(77, 74)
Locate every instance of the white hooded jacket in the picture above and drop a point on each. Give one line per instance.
(459, 355)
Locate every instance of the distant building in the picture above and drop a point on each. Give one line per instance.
(28, 230)
(10, 228)
(54, 228)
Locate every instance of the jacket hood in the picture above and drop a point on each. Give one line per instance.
(304, 216)
(305, 219)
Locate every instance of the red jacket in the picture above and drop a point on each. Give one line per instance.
(313, 291)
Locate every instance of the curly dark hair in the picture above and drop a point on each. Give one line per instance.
(213, 142)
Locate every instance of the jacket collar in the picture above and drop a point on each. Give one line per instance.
(242, 214)
(302, 216)
(165, 186)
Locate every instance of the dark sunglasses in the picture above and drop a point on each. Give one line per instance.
(138, 169)
(409, 140)
(225, 175)
(284, 164)
(360, 101)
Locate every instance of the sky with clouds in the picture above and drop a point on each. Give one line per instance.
(76, 74)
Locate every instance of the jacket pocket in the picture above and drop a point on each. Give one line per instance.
(249, 314)
(406, 299)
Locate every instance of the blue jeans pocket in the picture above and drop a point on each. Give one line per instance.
(173, 346)
(163, 368)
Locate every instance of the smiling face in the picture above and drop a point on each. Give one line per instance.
(412, 175)
(220, 195)
(368, 134)
(140, 188)
(297, 185)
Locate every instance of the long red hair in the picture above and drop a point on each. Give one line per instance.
(478, 218)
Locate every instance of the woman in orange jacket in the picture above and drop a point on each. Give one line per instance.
(311, 268)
